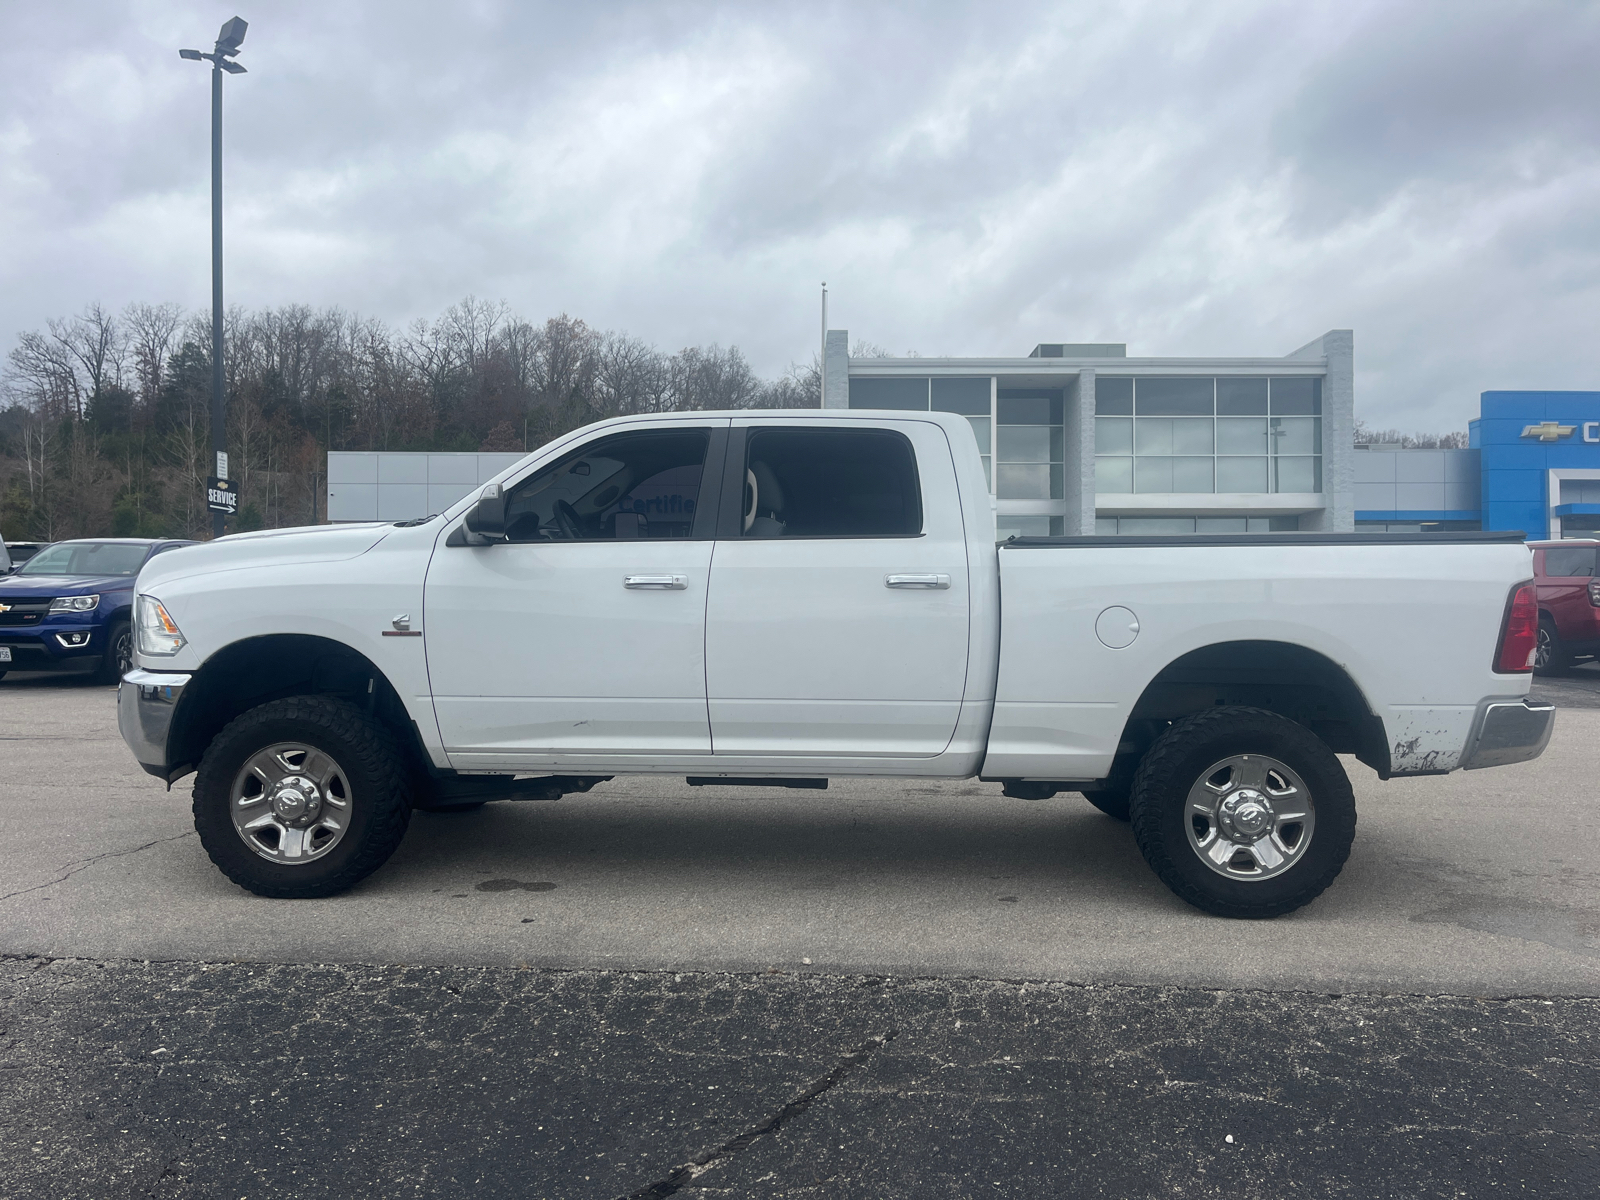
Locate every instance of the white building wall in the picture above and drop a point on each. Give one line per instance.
(395, 486)
(1392, 480)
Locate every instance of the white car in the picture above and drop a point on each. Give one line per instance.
(783, 598)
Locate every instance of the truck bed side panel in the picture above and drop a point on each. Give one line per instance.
(1415, 627)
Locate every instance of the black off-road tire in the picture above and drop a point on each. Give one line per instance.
(1176, 762)
(1111, 801)
(112, 664)
(380, 795)
(1557, 658)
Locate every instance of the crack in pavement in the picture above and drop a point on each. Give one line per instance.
(712, 1159)
(84, 864)
(167, 1168)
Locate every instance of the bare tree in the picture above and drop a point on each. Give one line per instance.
(93, 341)
(712, 378)
(1365, 435)
(43, 372)
(112, 413)
(151, 330)
(798, 387)
(629, 377)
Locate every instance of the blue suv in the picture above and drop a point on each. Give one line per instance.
(71, 606)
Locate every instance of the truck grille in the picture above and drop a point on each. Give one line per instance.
(23, 610)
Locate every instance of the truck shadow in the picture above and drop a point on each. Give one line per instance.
(977, 840)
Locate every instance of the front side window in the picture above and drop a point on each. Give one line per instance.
(830, 483)
(621, 488)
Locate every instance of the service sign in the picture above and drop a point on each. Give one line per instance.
(222, 495)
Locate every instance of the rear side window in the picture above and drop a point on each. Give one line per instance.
(1564, 561)
(830, 483)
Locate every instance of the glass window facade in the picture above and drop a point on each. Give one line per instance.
(968, 396)
(1028, 526)
(1154, 435)
(1150, 526)
(1029, 445)
(1208, 434)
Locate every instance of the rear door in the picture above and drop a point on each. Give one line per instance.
(837, 621)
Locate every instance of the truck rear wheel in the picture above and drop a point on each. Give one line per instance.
(301, 797)
(1243, 813)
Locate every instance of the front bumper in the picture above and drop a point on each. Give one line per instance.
(51, 647)
(146, 701)
(1509, 731)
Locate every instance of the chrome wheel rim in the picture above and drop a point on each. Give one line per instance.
(1541, 650)
(290, 803)
(1249, 817)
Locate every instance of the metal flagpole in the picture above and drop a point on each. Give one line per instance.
(822, 359)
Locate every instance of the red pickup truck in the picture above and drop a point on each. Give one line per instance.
(1569, 603)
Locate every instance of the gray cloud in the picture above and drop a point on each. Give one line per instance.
(1191, 178)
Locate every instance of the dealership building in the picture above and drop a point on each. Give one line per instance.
(1533, 465)
(1080, 438)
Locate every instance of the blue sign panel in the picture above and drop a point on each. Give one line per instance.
(1524, 437)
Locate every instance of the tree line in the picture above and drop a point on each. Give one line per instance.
(105, 425)
(105, 417)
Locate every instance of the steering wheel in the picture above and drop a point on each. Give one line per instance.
(567, 520)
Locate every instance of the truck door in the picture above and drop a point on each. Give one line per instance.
(583, 633)
(837, 621)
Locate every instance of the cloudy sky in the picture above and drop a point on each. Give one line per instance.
(1226, 177)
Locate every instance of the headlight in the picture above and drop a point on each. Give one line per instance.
(74, 604)
(159, 636)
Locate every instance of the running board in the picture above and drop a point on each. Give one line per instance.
(732, 781)
(472, 789)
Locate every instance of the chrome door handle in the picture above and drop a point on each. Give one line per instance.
(660, 583)
(916, 581)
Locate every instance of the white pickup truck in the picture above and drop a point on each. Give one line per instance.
(780, 598)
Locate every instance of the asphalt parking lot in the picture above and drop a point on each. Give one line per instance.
(656, 990)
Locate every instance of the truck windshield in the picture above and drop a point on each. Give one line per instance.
(87, 558)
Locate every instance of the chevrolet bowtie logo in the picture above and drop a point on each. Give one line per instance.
(1549, 431)
(5, 608)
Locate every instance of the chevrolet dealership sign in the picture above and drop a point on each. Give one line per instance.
(1554, 431)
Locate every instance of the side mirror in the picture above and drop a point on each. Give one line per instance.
(486, 520)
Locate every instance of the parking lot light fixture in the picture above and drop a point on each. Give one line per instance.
(229, 39)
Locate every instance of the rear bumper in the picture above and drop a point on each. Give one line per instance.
(146, 701)
(1509, 731)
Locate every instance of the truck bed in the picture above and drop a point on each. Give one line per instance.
(1099, 632)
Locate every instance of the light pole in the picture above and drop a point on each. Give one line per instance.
(221, 59)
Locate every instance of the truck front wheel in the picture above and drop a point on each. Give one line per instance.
(301, 797)
(1243, 813)
(1550, 655)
